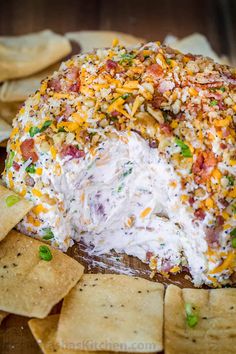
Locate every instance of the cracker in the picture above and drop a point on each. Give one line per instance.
(11, 215)
(44, 332)
(31, 286)
(20, 89)
(5, 130)
(8, 110)
(196, 43)
(215, 331)
(88, 40)
(3, 315)
(25, 55)
(114, 313)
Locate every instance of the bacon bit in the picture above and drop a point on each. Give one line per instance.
(115, 113)
(223, 146)
(149, 255)
(225, 133)
(71, 150)
(111, 65)
(191, 200)
(75, 87)
(224, 202)
(200, 214)
(220, 220)
(221, 105)
(212, 236)
(157, 100)
(203, 166)
(166, 128)
(155, 70)
(27, 150)
(16, 166)
(73, 73)
(55, 85)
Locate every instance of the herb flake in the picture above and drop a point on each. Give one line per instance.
(12, 200)
(31, 169)
(185, 150)
(45, 253)
(10, 159)
(213, 103)
(35, 130)
(48, 234)
(191, 318)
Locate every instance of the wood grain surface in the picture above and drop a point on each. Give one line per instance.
(152, 20)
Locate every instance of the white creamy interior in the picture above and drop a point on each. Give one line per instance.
(123, 179)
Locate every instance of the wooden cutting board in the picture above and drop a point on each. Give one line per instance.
(15, 336)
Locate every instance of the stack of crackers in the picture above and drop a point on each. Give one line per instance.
(103, 312)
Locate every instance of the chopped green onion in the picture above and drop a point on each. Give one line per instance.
(31, 169)
(45, 253)
(230, 180)
(188, 309)
(191, 318)
(48, 234)
(120, 188)
(12, 200)
(233, 232)
(128, 172)
(233, 242)
(61, 130)
(33, 131)
(185, 151)
(10, 159)
(165, 115)
(45, 125)
(127, 58)
(213, 103)
(126, 95)
(222, 89)
(168, 60)
(128, 168)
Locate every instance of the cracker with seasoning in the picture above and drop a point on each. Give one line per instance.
(34, 277)
(13, 208)
(113, 313)
(45, 333)
(133, 149)
(200, 321)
